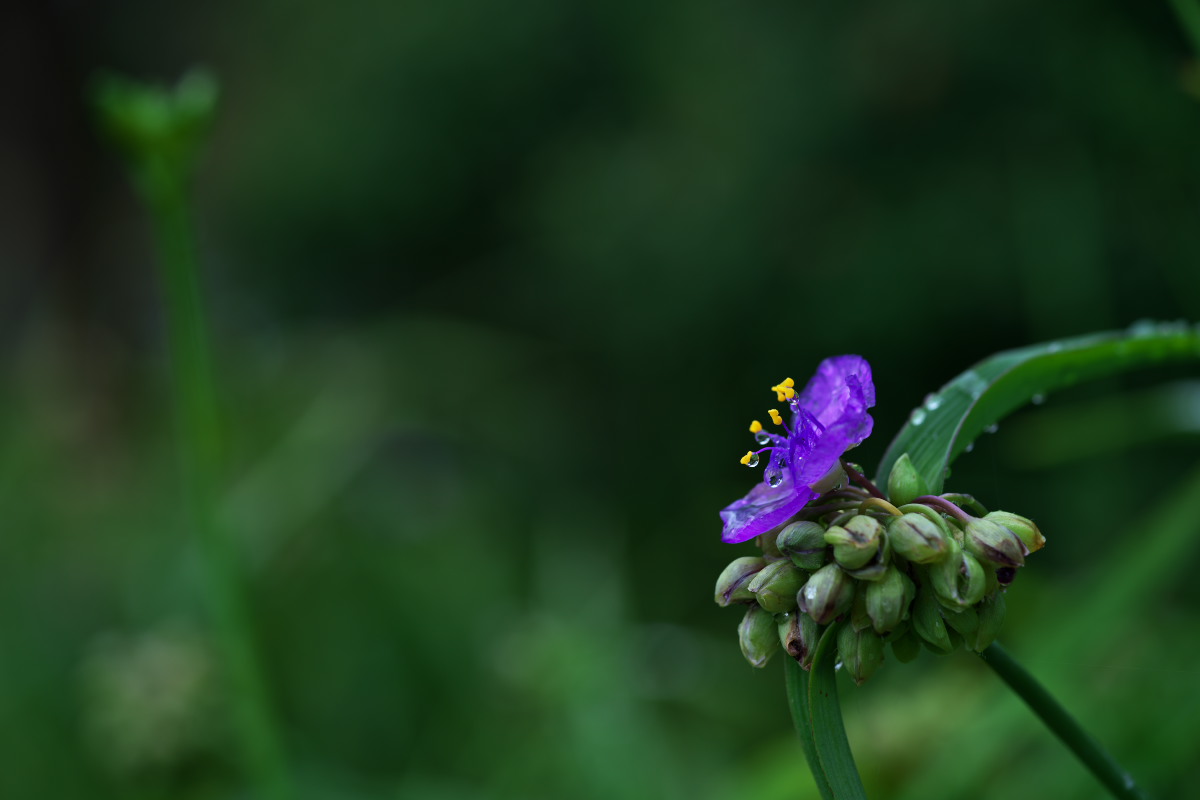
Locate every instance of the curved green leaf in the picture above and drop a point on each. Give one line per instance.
(797, 694)
(952, 418)
(825, 713)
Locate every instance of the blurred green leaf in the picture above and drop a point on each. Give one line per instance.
(825, 717)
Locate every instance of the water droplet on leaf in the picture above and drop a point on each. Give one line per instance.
(1038, 399)
(991, 428)
(918, 416)
(970, 446)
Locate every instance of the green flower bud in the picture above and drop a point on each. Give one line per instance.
(861, 652)
(804, 544)
(1024, 528)
(775, 586)
(733, 585)
(905, 484)
(828, 593)
(798, 634)
(991, 541)
(928, 623)
(758, 636)
(855, 542)
(888, 600)
(859, 618)
(991, 617)
(963, 620)
(917, 538)
(960, 580)
(766, 543)
(906, 647)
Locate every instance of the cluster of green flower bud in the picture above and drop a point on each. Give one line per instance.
(909, 571)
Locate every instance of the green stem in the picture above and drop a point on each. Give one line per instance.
(1062, 724)
(195, 409)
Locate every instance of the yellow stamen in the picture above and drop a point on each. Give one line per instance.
(778, 420)
(784, 390)
(749, 455)
(755, 426)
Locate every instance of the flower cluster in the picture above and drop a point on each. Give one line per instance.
(904, 569)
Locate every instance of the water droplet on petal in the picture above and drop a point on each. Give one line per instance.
(775, 480)
(1038, 399)
(991, 428)
(753, 462)
(762, 437)
(918, 416)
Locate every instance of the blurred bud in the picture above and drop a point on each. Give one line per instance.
(828, 593)
(906, 647)
(905, 484)
(859, 618)
(1023, 527)
(991, 618)
(733, 584)
(888, 600)
(855, 542)
(775, 586)
(917, 538)
(804, 544)
(960, 580)
(758, 636)
(928, 623)
(798, 634)
(991, 541)
(861, 652)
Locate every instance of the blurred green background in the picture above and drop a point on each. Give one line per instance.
(495, 290)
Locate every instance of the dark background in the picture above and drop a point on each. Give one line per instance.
(495, 290)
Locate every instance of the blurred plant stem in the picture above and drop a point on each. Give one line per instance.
(159, 132)
(1188, 12)
(1119, 782)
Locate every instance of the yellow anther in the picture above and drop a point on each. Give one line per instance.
(778, 420)
(755, 426)
(749, 455)
(784, 391)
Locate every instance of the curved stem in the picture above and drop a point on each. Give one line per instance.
(1118, 782)
(945, 505)
(862, 480)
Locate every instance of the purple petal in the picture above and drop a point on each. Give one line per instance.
(829, 391)
(762, 509)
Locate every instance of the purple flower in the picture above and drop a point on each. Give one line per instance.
(828, 418)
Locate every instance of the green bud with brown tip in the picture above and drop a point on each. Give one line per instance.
(775, 586)
(804, 544)
(960, 580)
(905, 484)
(861, 652)
(888, 599)
(828, 593)
(856, 542)
(917, 538)
(1023, 527)
(990, 541)
(758, 636)
(798, 634)
(734, 582)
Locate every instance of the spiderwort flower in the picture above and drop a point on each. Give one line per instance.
(828, 418)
